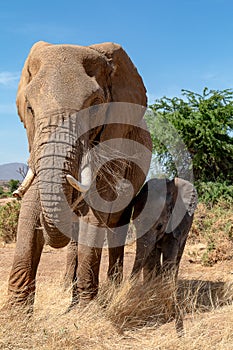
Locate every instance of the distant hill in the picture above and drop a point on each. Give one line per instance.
(9, 171)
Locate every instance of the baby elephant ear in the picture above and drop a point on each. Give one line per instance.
(127, 84)
(188, 194)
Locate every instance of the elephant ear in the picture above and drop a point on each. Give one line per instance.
(188, 194)
(30, 66)
(128, 93)
(185, 202)
(22, 103)
(126, 83)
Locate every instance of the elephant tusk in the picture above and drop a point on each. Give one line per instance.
(24, 185)
(76, 184)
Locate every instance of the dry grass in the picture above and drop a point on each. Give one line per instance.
(132, 317)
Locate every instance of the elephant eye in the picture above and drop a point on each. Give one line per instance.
(97, 101)
(159, 226)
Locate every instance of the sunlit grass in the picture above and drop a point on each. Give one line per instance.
(130, 317)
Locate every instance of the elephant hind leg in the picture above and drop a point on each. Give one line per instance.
(71, 264)
(116, 244)
(116, 259)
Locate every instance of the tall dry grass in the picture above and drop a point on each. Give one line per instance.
(130, 317)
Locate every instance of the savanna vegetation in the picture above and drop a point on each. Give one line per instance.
(9, 214)
(8, 188)
(196, 131)
(135, 317)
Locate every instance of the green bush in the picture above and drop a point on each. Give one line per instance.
(6, 195)
(13, 185)
(9, 214)
(204, 122)
(211, 193)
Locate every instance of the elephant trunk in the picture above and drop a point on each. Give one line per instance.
(56, 217)
(55, 159)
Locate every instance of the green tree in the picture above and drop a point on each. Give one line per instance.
(13, 185)
(205, 124)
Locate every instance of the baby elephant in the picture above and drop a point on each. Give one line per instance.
(163, 215)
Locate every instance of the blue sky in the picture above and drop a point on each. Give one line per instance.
(175, 44)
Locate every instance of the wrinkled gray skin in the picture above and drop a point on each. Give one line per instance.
(159, 250)
(57, 82)
(175, 200)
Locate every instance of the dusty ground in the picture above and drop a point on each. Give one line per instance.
(53, 262)
(52, 265)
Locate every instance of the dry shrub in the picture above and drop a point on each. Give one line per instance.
(134, 305)
(213, 228)
(9, 214)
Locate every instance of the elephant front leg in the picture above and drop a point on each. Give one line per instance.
(70, 278)
(170, 250)
(71, 264)
(172, 253)
(152, 266)
(30, 241)
(87, 284)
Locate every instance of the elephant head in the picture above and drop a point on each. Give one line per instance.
(58, 82)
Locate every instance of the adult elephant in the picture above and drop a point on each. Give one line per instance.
(90, 152)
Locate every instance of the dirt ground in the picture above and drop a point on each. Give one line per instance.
(53, 261)
(48, 330)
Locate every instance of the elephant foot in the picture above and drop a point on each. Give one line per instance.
(73, 305)
(79, 300)
(84, 294)
(70, 308)
(18, 305)
(78, 303)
